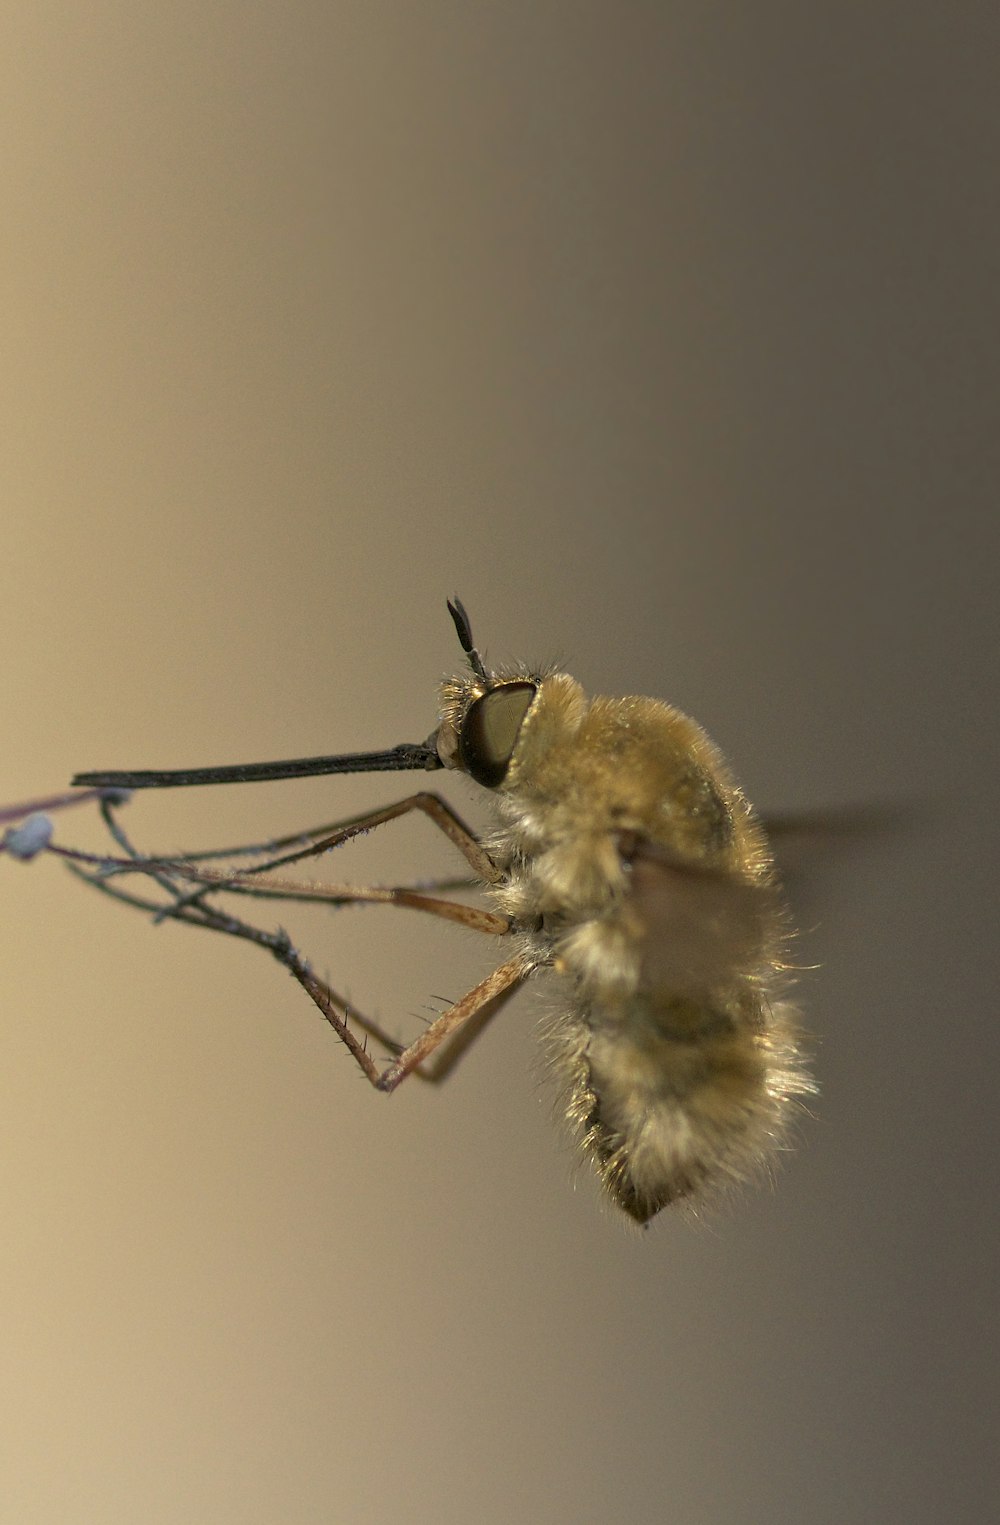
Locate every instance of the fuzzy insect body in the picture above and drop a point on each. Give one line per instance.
(633, 866)
(624, 860)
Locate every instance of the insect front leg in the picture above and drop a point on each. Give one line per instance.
(309, 844)
(432, 806)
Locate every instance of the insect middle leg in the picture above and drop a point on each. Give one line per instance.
(321, 840)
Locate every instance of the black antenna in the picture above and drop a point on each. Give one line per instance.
(457, 611)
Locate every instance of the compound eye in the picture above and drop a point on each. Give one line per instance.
(490, 730)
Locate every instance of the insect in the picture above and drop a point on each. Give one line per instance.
(625, 862)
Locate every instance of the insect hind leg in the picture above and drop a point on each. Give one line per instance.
(462, 1023)
(443, 1043)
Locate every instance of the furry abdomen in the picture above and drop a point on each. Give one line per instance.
(671, 1096)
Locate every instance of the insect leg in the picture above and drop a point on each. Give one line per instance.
(476, 1007)
(462, 1022)
(254, 883)
(433, 806)
(446, 1059)
(465, 1020)
(500, 983)
(277, 943)
(323, 838)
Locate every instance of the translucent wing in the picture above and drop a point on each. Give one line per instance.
(700, 926)
(807, 842)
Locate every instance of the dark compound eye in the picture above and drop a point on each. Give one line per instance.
(490, 730)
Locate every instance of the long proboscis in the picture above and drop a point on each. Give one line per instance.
(408, 755)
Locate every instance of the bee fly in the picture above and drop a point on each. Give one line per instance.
(624, 860)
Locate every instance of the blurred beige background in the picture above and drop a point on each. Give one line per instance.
(663, 335)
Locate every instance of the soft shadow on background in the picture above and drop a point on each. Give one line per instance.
(663, 335)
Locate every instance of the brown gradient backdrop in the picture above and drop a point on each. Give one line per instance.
(661, 334)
